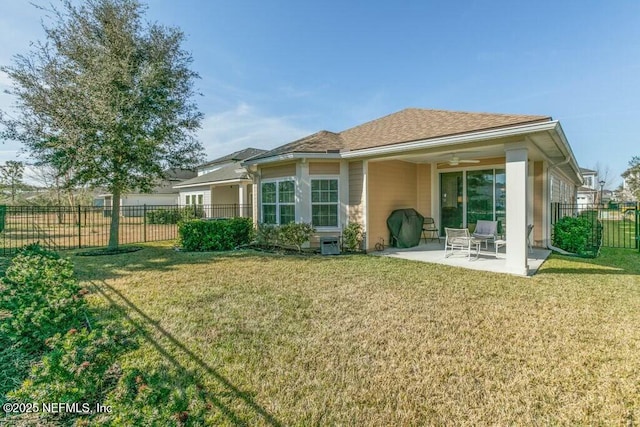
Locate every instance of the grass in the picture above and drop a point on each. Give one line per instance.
(246, 338)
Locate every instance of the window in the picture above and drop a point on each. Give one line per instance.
(588, 181)
(187, 199)
(324, 202)
(200, 199)
(278, 202)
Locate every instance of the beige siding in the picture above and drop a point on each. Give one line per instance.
(278, 171)
(391, 185)
(562, 189)
(538, 202)
(324, 168)
(356, 192)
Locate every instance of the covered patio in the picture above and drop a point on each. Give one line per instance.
(433, 252)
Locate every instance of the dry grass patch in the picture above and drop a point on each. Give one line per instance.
(363, 340)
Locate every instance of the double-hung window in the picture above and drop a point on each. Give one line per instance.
(278, 202)
(324, 202)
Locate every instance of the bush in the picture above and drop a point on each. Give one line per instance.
(580, 235)
(174, 215)
(80, 366)
(352, 236)
(218, 235)
(267, 235)
(41, 295)
(163, 216)
(295, 234)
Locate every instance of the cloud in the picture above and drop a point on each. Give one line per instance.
(243, 127)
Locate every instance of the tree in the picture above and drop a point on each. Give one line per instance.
(107, 100)
(632, 177)
(11, 174)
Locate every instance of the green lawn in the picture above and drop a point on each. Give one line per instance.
(355, 340)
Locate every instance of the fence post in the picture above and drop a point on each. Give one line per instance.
(637, 230)
(79, 227)
(144, 223)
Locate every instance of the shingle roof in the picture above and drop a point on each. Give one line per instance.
(588, 171)
(225, 173)
(320, 142)
(411, 124)
(236, 156)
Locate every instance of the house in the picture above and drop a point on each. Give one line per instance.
(456, 167)
(222, 186)
(163, 194)
(588, 194)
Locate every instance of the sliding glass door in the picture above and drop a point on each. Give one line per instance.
(451, 200)
(468, 196)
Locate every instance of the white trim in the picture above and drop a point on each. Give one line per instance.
(277, 202)
(227, 181)
(338, 203)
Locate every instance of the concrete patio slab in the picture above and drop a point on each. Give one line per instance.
(433, 252)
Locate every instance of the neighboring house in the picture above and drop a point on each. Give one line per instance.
(223, 186)
(163, 194)
(456, 167)
(588, 194)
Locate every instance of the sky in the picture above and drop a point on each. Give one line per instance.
(274, 71)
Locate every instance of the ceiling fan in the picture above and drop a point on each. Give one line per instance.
(455, 161)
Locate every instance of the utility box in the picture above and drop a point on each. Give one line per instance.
(329, 246)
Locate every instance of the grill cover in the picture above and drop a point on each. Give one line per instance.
(405, 226)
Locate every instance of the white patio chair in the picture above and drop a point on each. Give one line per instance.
(485, 231)
(459, 238)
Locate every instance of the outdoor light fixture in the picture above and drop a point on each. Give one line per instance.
(601, 188)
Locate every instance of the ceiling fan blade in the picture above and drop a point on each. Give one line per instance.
(468, 161)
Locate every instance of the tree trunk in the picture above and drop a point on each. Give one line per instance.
(114, 230)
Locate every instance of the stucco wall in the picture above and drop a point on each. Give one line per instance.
(391, 185)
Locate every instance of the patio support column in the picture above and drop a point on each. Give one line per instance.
(517, 195)
(242, 198)
(303, 192)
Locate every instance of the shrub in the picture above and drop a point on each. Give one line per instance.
(352, 236)
(295, 234)
(579, 235)
(41, 295)
(267, 235)
(216, 235)
(80, 366)
(174, 215)
(163, 216)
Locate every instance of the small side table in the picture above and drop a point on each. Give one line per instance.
(498, 244)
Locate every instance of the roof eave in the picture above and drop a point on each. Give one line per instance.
(225, 181)
(452, 139)
(291, 156)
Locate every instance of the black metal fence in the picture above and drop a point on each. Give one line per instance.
(70, 227)
(619, 222)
